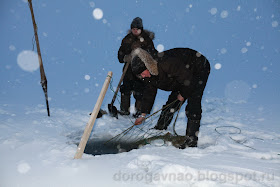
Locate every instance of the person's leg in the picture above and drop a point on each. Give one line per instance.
(138, 88)
(167, 114)
(193, 108)
(125, 90)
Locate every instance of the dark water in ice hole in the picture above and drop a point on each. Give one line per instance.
(100, 147)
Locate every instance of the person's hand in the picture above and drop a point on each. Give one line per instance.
(139, 120)
(180, 97)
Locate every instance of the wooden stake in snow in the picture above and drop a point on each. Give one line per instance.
(92, 118)
(44, 81)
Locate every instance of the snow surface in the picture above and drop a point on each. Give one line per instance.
(239, 139)
(37, 150)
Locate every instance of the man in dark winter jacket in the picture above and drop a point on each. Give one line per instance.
(182, 71)
(136, 38)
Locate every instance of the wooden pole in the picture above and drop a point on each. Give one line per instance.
(119, 85)
(92, 118)
(44, 81)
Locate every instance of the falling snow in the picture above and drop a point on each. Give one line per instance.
(224, 14)
(91, 4)
(86, 90)
(223, 50)
(12, 47)
(28, 61)
(87, 77)
(23, 168)
(97, 13)
(188, 9)
(218, 66)
(238, 8)
(213, 11)
(244, 50)
(160, 47)
(274, 24)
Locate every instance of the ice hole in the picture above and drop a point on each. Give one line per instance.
(102, 147)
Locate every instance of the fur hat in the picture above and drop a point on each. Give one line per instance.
(137, 23)
(137, 66)
(142, 60)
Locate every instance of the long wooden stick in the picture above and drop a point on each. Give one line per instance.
(92, 118)
(119, 85)
(44, 81)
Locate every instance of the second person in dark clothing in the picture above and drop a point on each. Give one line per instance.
(182, 71)
(137, 37)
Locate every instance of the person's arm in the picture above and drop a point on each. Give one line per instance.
(124, 51)
(148, 99)
(121, 53)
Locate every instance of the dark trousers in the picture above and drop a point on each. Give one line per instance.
(193, 108)
(131, 85)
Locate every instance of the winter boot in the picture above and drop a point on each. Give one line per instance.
(191, 134)
(137, 108)
(125, 104)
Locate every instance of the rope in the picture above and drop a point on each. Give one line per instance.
(112, 89)
(161, 109)
(236, 141)
(35, 25)
(141, 129)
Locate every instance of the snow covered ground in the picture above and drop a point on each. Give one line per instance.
(37, 150)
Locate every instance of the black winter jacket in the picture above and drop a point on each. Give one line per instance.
(179, 69)
(130, 42)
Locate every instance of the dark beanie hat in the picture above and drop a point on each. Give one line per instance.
(136, 23)
(137, 66)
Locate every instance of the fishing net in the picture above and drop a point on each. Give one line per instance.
(136, 134)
